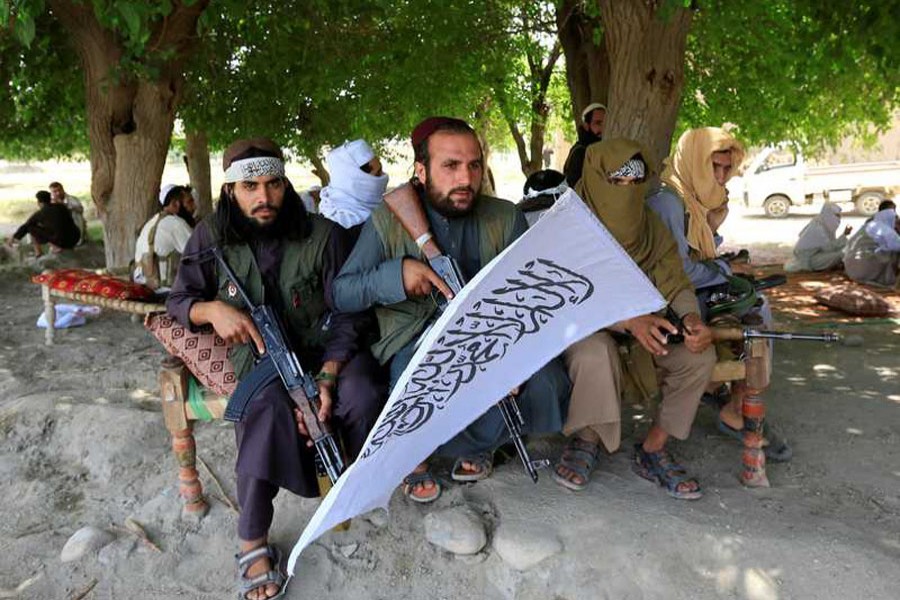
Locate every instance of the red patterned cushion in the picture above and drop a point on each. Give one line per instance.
(855, 300)
(87, 282)
(204, 353)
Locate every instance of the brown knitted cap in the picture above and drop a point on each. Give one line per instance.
(240, 146)
(424, 129)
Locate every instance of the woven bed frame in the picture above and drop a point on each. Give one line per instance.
(52, 296)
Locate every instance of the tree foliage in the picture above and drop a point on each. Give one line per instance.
(524, 69)
(313, 74)
(42, 98)
(811, 71)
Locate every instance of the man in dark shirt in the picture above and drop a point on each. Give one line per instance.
(593, 121)
(287, 259)
(51, 224)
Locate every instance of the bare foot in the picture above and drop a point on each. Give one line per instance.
(468, 467)
(570, 475)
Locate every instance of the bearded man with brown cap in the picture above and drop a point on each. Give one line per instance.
(386, 271)
(287, 259)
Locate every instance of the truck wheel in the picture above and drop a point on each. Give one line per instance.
(777, 207)
(867, 204)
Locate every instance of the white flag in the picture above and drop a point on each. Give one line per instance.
(561, 281)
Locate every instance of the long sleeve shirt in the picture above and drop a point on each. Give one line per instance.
(370, 278)
(52, 223)
(670, 208)
(197, 282)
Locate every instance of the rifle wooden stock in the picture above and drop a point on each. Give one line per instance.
(727, 334)
(405, 204)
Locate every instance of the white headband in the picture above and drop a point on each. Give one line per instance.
(554, 191)
(250, 168)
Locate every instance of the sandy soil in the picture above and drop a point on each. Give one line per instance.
(82, 443)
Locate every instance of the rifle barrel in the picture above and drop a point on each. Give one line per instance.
(736, 334)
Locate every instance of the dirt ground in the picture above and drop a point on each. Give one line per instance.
(82, 443)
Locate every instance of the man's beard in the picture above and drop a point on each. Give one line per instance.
(187, 216)
(444, 204)
(248, 227)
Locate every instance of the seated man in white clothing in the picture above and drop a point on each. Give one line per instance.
(162, 240)
(873, 255)
(59, 196)
(819, 248)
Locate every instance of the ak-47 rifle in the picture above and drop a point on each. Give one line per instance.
(301, 386)
(406, 206)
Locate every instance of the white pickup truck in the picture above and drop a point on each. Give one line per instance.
(778, 178)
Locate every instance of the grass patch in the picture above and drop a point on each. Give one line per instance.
(95, 232)
(17, 211)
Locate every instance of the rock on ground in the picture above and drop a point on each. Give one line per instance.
(523, 544)
(458, 530)
(85, 541)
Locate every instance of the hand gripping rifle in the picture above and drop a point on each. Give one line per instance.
(407, 208)
(301, 387)
(405, 204)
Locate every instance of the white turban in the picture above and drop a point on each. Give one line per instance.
(352, 194)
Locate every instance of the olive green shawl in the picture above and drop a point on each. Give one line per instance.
(621, 208)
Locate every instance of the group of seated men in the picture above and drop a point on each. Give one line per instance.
(58, 223)
(355, 297)
(870, 256)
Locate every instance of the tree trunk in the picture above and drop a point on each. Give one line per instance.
(587, 63)
(129, 120)
(197, 158)
(480, 124)
(140, 157)
(531, 154)
(646, 58)
(319, 168)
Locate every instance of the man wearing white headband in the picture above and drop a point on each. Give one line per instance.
(357, 185)
(593, 121)
(287, 259)
(162, 240)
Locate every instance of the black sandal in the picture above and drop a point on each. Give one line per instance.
(662, 468)
(579, 457)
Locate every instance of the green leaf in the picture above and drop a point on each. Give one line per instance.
(132, 18)
(24, 30)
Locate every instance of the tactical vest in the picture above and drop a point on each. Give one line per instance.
(151, 267)
(299, 285)
(400, 323)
